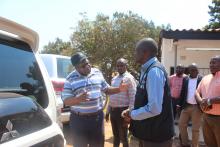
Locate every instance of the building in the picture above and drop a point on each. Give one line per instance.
(188, 46)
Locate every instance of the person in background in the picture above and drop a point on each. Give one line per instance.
(152, 118)
(83, 92)
(120, 102)
(176, 81)
(189, 106)
(208, 96)
(135, 75)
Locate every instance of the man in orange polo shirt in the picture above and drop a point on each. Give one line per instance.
(208, 96)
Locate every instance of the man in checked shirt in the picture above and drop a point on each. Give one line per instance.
(120, 102)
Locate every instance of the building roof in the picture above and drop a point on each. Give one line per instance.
(208, 34)
(213, 34)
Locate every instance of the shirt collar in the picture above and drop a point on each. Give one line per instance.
(194, 78)
(148, 63)
(123, 74)
(217, 74)
(90, 74)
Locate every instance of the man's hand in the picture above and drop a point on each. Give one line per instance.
(123, 86)
(178, 107)
(125, 113)
(126, 116)
(107, 117)
(77, 99)
(82, 97)
(204, 105)
(178, 110)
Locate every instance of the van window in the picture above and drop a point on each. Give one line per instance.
(64, 67)
(19, 71)
(48, 62)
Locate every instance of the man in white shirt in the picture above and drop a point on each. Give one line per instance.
(190, 109)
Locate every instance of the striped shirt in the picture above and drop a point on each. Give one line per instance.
(126, 98)
(94, 84)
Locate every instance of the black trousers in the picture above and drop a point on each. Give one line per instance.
(87, 130)
(167, 143)
(174, 103)
(120, 131)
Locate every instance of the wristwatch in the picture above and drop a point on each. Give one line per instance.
(209, 102)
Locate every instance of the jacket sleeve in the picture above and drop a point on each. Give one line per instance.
(183, 92)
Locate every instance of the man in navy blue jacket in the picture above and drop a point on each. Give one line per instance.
(152, 117)
(190, 108)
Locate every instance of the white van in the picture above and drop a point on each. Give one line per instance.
(27, 100)
(58, 68)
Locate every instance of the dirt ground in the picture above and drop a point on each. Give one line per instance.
(108, 136)
(109, 139)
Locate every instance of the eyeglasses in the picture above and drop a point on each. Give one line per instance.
(83, 65)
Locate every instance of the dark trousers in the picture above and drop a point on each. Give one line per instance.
(175, 102)
(120, 131)
(87, 130)
(167, 143)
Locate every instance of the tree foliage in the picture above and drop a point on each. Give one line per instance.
(58, 47)
(214, 12)
(106, 39)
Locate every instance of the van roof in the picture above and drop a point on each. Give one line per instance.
(18, 31)
(54, 55)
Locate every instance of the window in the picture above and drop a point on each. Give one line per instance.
(21, 88)
(64, 67)
(19, 71)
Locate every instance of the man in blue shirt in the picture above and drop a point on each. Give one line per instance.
(83, 91)
(151, 118)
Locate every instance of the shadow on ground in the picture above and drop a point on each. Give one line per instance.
(109, 140)
(133, 142)
(67, 134)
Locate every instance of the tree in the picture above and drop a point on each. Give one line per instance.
(214, 12)
(106, 39)
(58, 47)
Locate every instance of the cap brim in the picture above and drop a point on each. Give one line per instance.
(80, 61)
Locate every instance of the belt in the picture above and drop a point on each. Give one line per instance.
(191, 104)
(86, 114)
(212, 115)
(118, 108)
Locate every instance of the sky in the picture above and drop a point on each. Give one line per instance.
(57, 18)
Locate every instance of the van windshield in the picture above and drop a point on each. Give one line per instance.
(20, 73)
(64, 67)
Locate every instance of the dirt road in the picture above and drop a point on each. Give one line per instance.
(109, 138)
